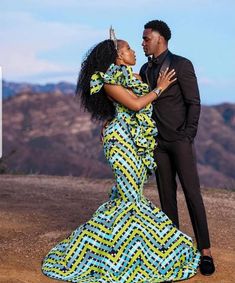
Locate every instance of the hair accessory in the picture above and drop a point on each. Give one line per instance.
(112, 36)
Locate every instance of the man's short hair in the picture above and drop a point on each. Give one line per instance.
(160, 27)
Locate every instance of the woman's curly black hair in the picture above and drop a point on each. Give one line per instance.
(161, 27)
(98, 59)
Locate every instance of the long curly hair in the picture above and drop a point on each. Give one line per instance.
(98, 59)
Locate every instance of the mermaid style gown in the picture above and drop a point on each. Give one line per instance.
(128, 239)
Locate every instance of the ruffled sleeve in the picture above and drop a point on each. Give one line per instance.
(117, 75)
(141, 126)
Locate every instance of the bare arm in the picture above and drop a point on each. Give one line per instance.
(137, 76)
(133, 102)
(127, 98)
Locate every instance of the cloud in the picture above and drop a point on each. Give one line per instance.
(131, 4)
(206, 81)
(98, 4)
(24, 39)
(217, 82)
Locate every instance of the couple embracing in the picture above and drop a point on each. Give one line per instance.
(153, 119)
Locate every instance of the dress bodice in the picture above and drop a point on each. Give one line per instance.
(142, 127)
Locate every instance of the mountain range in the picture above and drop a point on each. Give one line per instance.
(47, 132)
(10, 89)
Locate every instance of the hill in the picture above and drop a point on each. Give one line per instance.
(48, 133)
(10, 89)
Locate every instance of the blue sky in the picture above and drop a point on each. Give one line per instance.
(45, 40)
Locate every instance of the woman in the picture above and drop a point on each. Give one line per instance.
(128, 239)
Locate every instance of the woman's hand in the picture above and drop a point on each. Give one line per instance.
(165, 79)
(137, 76)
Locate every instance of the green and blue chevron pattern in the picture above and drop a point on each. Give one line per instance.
(128, 239)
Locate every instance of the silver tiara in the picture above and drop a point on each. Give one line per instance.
(112, 36)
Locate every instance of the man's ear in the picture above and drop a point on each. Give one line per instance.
(161, 39)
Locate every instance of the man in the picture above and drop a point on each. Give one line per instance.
(176, 113)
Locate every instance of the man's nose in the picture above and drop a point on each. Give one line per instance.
(143, 43)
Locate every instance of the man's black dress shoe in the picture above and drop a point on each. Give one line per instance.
(207, 266)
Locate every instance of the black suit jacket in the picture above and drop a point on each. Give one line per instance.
(177, 110)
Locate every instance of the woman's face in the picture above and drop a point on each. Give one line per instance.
(126, 56)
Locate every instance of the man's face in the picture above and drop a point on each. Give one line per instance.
(150, 41)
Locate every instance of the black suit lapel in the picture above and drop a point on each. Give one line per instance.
(151, 72)
(167, 62)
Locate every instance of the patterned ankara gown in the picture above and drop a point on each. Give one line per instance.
(128, 239)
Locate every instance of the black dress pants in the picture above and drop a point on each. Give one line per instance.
(178, 157)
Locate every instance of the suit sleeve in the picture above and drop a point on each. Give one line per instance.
(188, 84)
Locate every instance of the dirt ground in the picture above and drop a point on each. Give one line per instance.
(38, 211)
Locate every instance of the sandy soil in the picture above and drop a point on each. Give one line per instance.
(38, 211)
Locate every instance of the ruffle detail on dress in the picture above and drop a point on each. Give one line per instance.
(117, 75)
(143, 131)
(141, 126)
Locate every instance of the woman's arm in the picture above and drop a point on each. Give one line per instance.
(137, 76)
(133, 102)
(127, 98)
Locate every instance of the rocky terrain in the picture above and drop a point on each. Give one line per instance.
(48, 133)
(215, 145)
(36, 212)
